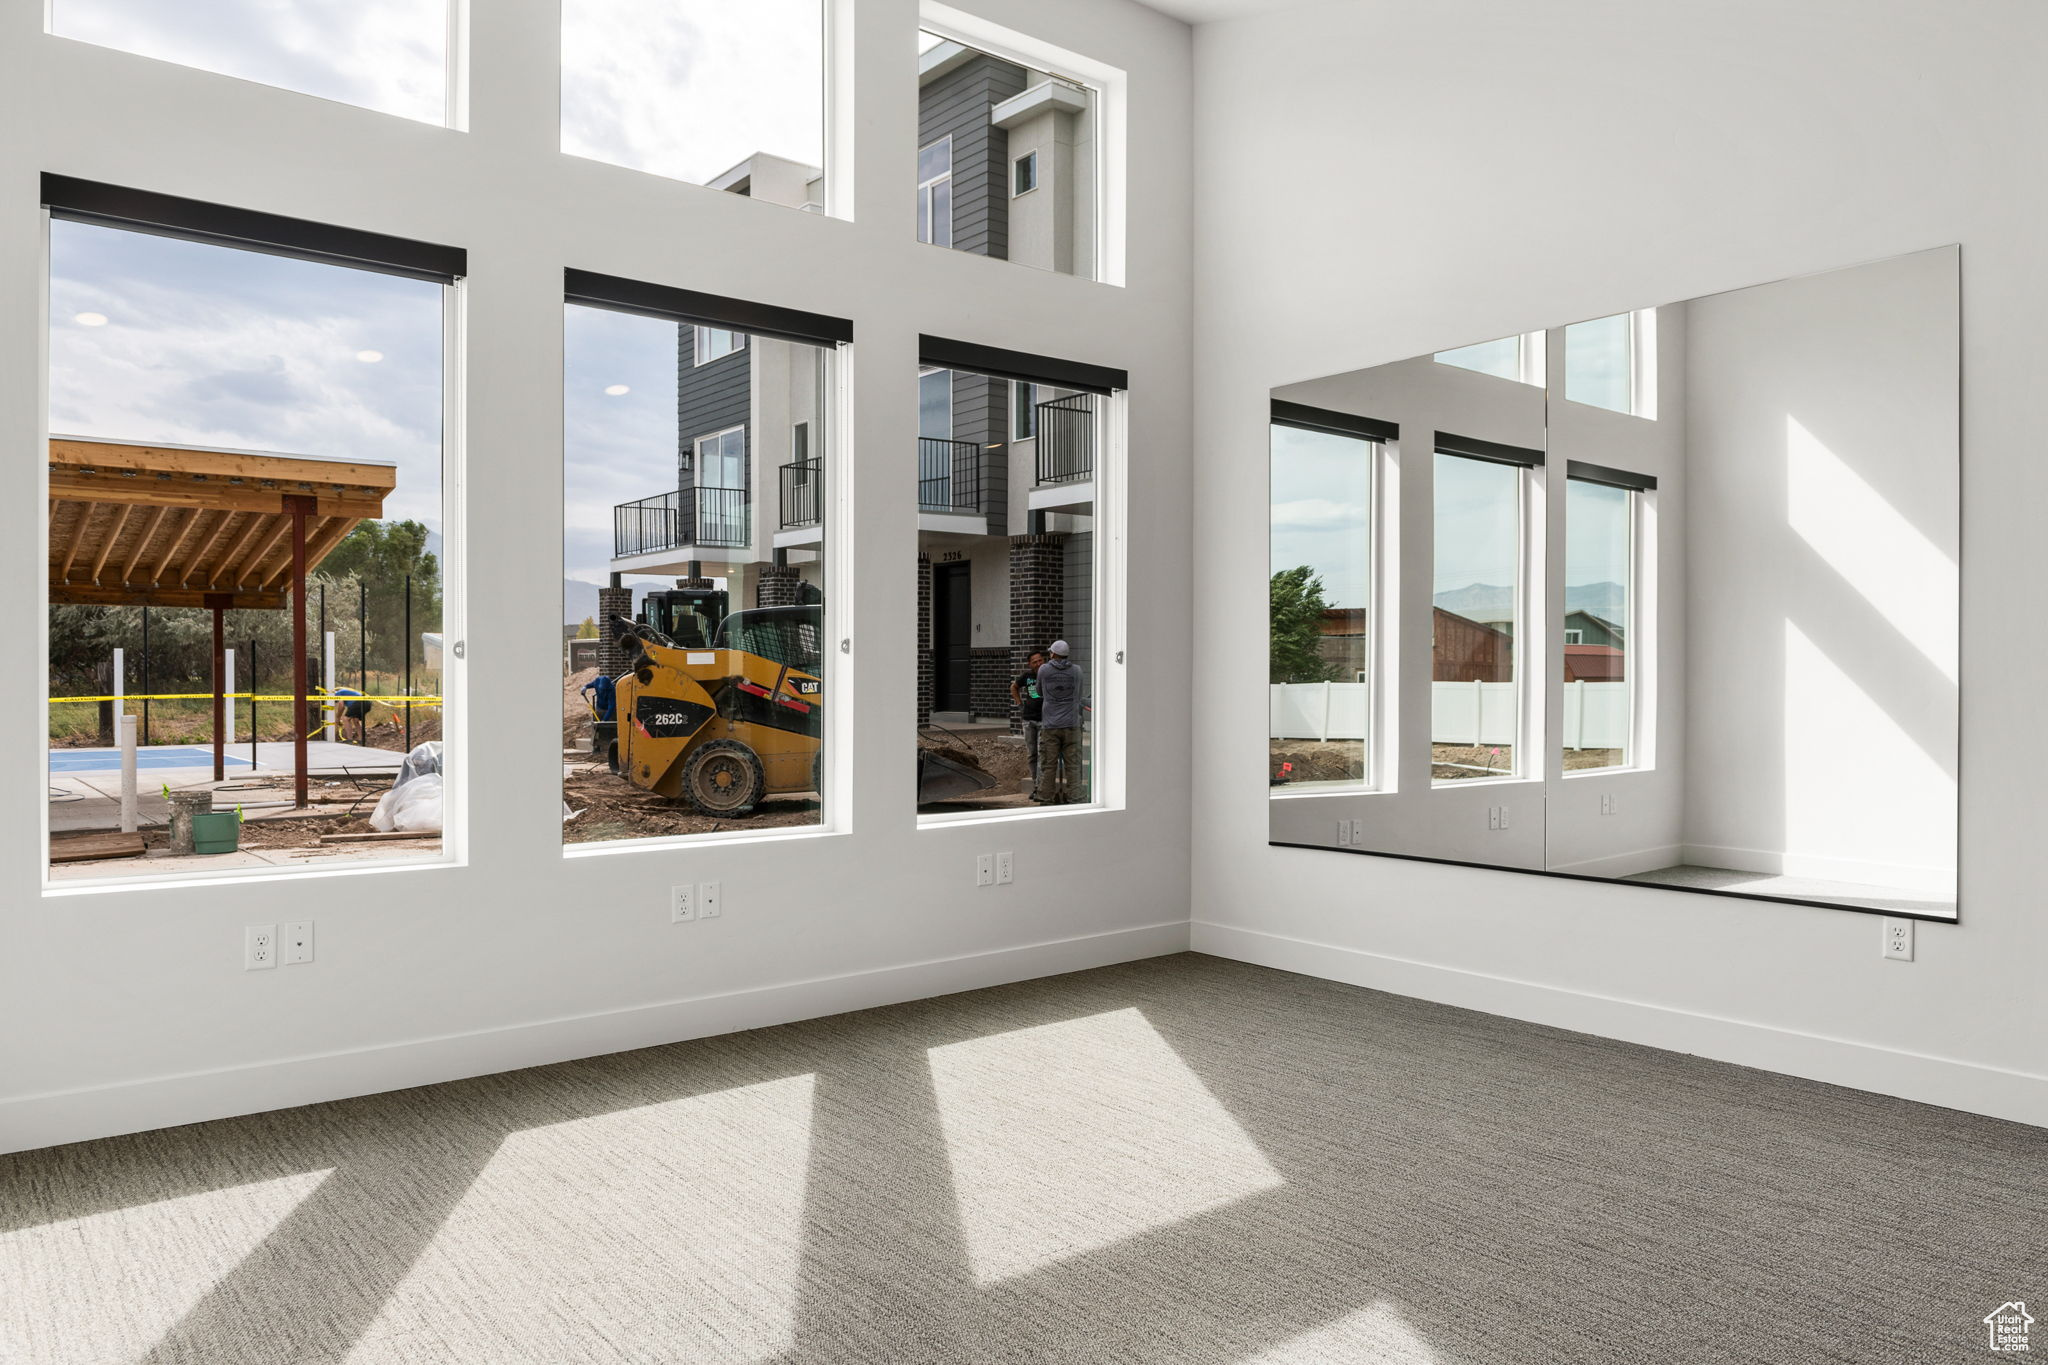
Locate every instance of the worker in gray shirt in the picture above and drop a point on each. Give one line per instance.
(1059, 730)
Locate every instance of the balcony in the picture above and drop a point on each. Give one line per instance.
(803, 494)
(1066, 440)
(948, 476)
(715, 518)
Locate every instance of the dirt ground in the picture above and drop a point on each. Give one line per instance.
(609, 807)
(1317, 761)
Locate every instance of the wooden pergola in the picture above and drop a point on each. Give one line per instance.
(182, 526)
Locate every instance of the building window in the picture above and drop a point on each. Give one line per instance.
(392, 58)
(1599, 608)
(715, 569)
(1321, 619)
(935, 193)
(996, 127)
(1519, 358)
(1023, 410)
(714, 343)
(1600, 363)
(1475, 701)
(1010, 565)
(224, 420)
(729, 96)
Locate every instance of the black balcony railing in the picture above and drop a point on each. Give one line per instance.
(712, 517)
(803, 490)
(948, 475)
(1066, 439)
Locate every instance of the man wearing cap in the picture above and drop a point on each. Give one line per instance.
(1059, 730)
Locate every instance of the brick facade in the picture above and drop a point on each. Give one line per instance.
(927, 672)
(1037, 602)
(611, 660)
(777, 585)
(991, 682)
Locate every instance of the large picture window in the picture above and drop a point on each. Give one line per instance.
(1010, 554)
(695, 584)
(704, 91)
(246, 558)
(1599, 613)
(1475, 701)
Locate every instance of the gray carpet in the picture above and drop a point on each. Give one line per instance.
(1176, 1162)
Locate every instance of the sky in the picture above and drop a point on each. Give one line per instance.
(617, 447)
(388, 55)
(1598, 527)
(1321, 493)
(212, 346)
(1478, 522)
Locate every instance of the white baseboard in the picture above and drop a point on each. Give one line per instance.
(45, 1120)
(1994, 1091)
(1623, 864)
(1775, 862)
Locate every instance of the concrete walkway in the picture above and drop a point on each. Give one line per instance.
(92, 799)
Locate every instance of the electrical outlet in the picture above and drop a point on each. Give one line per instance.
(1898, 939)
(1344, 832)
(298, 941)
(1503, 817)
(259, 947)
(985, 870)
(1004, 868)
(1493, 817)
(708, 906)
(1607, 805)
(682, 904)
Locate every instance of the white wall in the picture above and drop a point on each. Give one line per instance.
(124, 1010)
(1822, 541)
(1479, 169)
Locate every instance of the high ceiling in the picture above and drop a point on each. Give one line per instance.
(1202, 11)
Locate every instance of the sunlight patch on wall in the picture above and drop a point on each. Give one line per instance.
(1376, 1333)
(1074, 1136)
(1911, 581)
(109, 1286)
(1841, 746)
(677, 1226)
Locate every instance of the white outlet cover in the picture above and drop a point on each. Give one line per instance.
(710, 904)
(682, 904)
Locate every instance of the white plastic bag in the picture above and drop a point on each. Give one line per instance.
(424, 758)
(414, 807)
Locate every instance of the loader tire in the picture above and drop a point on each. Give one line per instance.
(723, 777)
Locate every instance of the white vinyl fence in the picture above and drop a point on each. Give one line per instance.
(1470, 713)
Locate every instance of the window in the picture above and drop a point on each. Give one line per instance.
(217, 412)
(1599, 606)
(1023, 410)
(703, 91)
(984, 115)
(1320, 638)
(1475, 711)
(1519, 358)
(1599, 363)
(388, 55)
(935, 193)
(713, 343)
(711, 545)
(1009, 562)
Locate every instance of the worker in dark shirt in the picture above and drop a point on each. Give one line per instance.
(1030, 704)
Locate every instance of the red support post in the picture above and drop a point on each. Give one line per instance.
(220, 689)
(300, 718)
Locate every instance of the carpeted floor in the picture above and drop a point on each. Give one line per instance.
(1185, 1161)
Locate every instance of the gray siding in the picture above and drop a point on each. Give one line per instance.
(710, 397)
(1077, 618)
(957, 104)
(981, 415)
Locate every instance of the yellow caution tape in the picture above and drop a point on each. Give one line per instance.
(318, 699)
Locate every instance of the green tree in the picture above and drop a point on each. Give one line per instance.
(384, 554)
(588, 630)
(1296, 625)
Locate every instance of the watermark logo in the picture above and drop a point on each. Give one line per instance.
(2007, 1327)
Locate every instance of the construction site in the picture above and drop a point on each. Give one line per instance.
(238, 676)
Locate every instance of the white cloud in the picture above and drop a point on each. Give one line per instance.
(690, 88)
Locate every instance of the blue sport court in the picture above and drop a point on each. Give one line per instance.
(109, 760)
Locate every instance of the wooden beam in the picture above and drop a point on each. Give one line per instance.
(219, 577)
(184, 533)
(222, 464)
(241, 572)
(85, 512)
(107, 542)
(204, 548)
(88, 594)
(212, 495)
(156, 520)
(318, 545)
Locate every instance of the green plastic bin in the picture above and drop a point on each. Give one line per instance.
(216, 832)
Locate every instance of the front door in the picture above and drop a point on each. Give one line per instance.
(952, 639)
